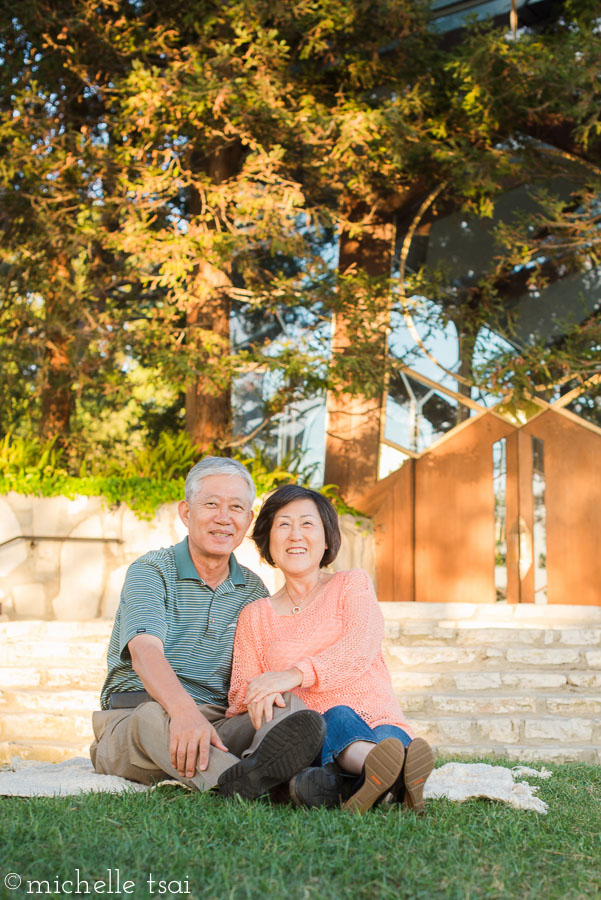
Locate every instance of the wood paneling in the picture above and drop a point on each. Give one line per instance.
(573, 501)
(512, 513)
(454, 515)
(391, 504)
(434, 517)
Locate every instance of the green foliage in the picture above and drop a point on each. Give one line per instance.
(152, 476)
(163, 164)
(268, 475)
(20, 457)
(172, 456)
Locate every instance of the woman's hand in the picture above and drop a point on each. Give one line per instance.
(259, 709)
(272, 683)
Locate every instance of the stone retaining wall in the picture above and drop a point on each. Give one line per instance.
(82, 580)
(523, 685)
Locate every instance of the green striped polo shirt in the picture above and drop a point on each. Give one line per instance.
(164, 595)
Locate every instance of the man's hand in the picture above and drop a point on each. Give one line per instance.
(190, 737)
(190, 733)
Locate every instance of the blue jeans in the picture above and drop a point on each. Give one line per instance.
(344, 727)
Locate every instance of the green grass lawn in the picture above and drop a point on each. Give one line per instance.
(238, 849)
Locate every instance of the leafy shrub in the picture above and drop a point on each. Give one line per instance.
(152, 476)
(172, 456)
(268, 475)
(20, 457)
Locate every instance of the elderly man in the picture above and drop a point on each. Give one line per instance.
(170, 654)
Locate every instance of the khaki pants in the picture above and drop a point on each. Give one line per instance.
(134, 743)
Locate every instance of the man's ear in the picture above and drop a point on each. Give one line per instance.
(182, 509)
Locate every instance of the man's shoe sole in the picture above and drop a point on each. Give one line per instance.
(288, 747)
(419, 762)
(382, 767)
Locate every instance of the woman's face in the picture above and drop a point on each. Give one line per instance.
(297, 540)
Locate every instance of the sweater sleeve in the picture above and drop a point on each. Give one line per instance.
(246, 662)
(363, 631)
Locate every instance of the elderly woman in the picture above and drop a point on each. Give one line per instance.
(320, 637)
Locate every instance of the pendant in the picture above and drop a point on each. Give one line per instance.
(296, 610)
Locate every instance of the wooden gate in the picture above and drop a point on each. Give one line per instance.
(494, 512)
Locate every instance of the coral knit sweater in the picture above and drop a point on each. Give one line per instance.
(336, 644)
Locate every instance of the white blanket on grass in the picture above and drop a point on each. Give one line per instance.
(462, 781)
(455, 781)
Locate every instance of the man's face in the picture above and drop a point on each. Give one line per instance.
(218, 516)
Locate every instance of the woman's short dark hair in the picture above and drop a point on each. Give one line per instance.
(280, 498)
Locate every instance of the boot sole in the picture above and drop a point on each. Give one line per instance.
(382, 768)
(318, 788)
(288, 747)
(419, 762)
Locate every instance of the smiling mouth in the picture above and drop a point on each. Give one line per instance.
(222, 534)
(296, 550)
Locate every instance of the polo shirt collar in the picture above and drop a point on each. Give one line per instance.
(236, 574)
(186, 568)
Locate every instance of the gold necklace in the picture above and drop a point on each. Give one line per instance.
(296, 609)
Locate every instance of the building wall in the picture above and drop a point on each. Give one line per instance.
(81, 580)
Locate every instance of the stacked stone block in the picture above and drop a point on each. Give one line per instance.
(525, 686)
(50, 679)
(523, 683)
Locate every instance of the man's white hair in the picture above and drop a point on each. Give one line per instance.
(217, 465)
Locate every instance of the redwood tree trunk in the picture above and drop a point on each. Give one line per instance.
(208, 403)
(208, 395)
(353, 436)
(57, 381)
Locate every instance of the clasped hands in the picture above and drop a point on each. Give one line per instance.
(265, 691)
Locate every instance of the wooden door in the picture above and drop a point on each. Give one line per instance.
(560, 503)
(494, 512)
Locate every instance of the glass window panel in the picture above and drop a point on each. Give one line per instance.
(247, 402)
(463, 248)
(487, 344)
(451, 14)
(299, 429)
(539, 534)
(441, 341)
(391, 459)
(417, 415)
(499, 463)
(551, 313)
(588, 405)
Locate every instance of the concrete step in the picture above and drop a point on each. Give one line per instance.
(37, 629)
(69, 727)
(482, 657)
(80, 651)
(508, 730)
(58, 702)
(90, 678)
(429, 633)
(578, 681)
(43, 751)
(501, 682)
(541, 753)
(495, 615)
(495, 703)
